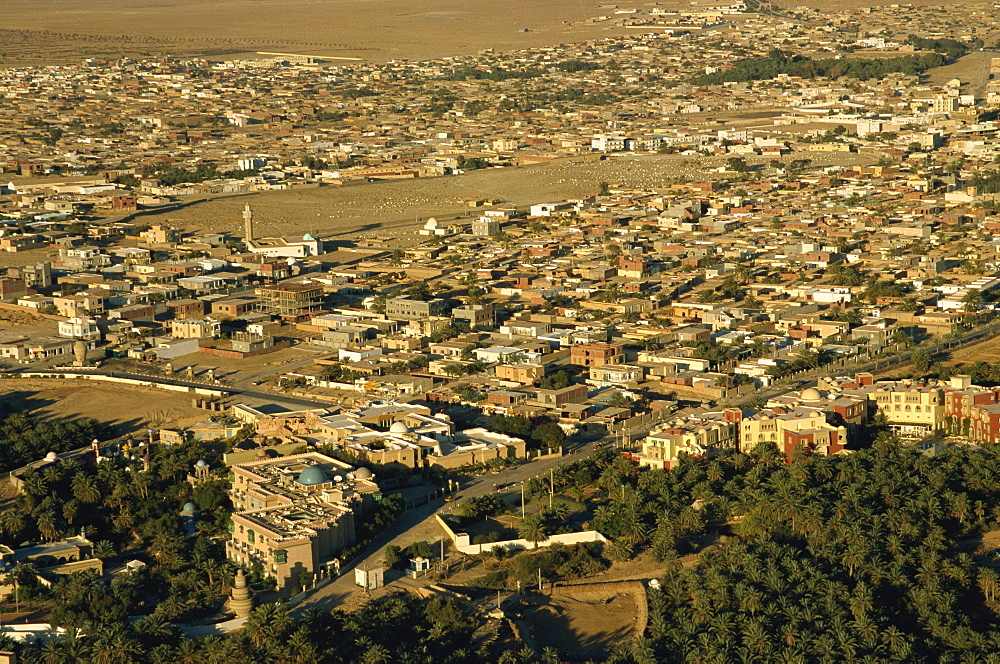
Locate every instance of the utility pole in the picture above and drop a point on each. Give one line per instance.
(552, 486)
(522, 500)
(539, 579)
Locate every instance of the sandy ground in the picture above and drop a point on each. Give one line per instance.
(9, 258)
(988, 351)
(582, 627)
(374, 30)
(342, 213)
(57, 31)
(125, 409)
(17, 323)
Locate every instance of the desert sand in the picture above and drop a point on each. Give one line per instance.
(61, 31)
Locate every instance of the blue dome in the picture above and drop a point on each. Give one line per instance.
(189, 507)
(312, 476)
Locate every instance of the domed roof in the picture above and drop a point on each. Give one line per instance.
(811, 394)
(362, 474)
(399, 427)
(51, 456)
(189, 507)
(312, 476)
(201, 464)
(308, 237)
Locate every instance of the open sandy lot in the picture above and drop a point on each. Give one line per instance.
(56, 31)
(125, 409)
(585, 626)
(343, 213)
(374, 30)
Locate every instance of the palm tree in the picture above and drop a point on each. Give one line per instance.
(34, 484)
(52, 652)
(85, 488)
(620, 400)
(808, 358)
(188, 652)
(533, 529)
(921, 360)
(376, 654)
(46, 523)
(70, 510)
(972, 300)
(104, 549)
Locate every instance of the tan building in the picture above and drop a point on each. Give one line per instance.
(914, 410)
(291, 301)
(294, 514)
(596, 354)
(520, 373)
(81, 304)
(694, 436)
(789, 428)
(194, 328)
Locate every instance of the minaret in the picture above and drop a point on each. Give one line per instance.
(247, 223)
(241, 601)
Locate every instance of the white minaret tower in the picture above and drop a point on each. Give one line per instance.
(247, 223)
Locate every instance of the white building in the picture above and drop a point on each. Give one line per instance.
(279, 247)
(80, 328)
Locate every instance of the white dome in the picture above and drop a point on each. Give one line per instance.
(811, 394)
(399, 427)
(51, 456)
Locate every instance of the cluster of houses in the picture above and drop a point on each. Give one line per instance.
(825, 420)
(211, 132)
(588, 314)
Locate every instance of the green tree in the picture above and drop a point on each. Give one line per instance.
(533, 529)
(549, 434)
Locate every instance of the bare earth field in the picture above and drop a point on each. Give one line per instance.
(586, 627)
(342, 213)
(125, 409)
(59, 31)
(374, 30)
(988, 351)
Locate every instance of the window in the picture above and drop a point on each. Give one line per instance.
(251, 536)
(280, 556)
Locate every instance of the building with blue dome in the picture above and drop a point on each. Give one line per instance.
(294, 514)
(312, 476)
(189, 517)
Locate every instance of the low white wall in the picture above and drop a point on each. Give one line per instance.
(128, 381)
(31, 632)
(463, 542)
